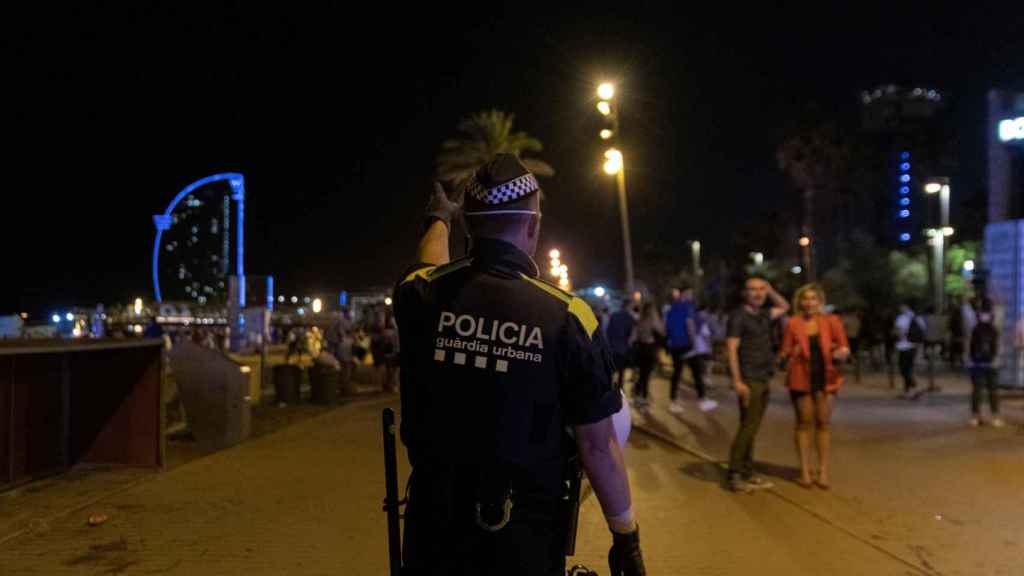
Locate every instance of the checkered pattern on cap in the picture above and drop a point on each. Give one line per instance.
(502, 193)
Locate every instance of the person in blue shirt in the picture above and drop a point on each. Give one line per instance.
(680, 332)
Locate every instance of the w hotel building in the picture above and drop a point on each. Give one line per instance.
(1004, 235)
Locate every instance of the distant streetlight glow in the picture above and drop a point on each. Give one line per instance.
(613, 162)
(796, 270)
(758, 258)
(318, 305)
(556, 271)
(932, 188)
(55, 318)
(606, 91)
(604, 108)
(947, 230)
(805, 241)
(554, 254)
(599, 292)
(295, 299)
(387, 301)
(606, 134)
(69, 316)
(969, 265)
(137, 308)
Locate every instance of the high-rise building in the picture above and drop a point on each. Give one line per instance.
(907, 140)
(199, 241)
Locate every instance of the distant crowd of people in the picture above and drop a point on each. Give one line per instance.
(809, 343)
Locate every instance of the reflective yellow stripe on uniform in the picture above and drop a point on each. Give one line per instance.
(577, 306)
(430, 273)
(421, 273)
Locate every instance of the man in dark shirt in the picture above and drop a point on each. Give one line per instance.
(620, 338)
(751, 363)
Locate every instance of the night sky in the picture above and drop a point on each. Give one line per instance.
(335, 116)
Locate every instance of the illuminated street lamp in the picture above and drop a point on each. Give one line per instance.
(318, 305)
(805, 257)
(614, 165)
(137, 308)
(613, 162)
(554, 254)
(387, 301)
(939, 186)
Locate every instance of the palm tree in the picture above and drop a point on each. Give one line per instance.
(815, 159)
(483, 136)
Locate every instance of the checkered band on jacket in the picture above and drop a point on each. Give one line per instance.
(507, 192)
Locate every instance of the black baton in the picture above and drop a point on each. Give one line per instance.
(391, 502)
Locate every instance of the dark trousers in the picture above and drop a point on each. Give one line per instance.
(907, 358)
(678, 361)
(984, 377)
(741, 457)
(621, 361)
(647, 357)
(696, 363)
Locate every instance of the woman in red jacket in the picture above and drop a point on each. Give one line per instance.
(813, 343)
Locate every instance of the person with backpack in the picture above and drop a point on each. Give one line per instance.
(909, 330)
(984, 352)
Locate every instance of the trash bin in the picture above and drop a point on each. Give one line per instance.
(215, 393)
(323, 383)
(287, 384)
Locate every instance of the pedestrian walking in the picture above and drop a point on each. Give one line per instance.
(984, 354)
(650, 332)
(813, 345)
(697, 359)
(909, 331)
(680, 330)
(620, 339)
(751, 364)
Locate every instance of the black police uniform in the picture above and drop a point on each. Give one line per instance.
(496, 363)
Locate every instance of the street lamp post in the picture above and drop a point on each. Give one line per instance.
(805, 258)
(938, 236)
(615, 165)
(697, 272)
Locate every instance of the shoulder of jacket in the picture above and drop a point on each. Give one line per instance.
(575, 305)
(430, 273)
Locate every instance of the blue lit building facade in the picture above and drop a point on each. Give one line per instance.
(1004, 234)
(199, 242)
(910, 141)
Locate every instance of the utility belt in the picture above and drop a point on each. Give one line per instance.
(499, 501)
(494, 509)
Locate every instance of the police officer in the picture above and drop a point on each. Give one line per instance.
(497, 366)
